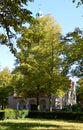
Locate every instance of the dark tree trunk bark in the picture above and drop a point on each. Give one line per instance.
(2, 104)
(50, 103)
(38, 105)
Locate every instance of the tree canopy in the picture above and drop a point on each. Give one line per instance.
(13, 15)
(78, 2)
(39, 59)
(73, 54)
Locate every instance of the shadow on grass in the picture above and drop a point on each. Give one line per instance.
(27, 126)
(31, 125)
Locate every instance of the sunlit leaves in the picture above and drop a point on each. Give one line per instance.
(39, 57)
(13, 15)
(5, 88)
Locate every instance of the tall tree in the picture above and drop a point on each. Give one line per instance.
(39, 58)
(13, 15)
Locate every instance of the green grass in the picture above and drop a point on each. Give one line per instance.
(38, 124)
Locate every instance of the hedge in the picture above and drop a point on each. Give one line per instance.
(56, 115)
(16, 114)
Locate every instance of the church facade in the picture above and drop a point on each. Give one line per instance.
(30, 103)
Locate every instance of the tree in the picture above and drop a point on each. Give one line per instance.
(5, 89)
(39, 58)
(13, 15)
(72, 53)
(12, 18)
(73, 58)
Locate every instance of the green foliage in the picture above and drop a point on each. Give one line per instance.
(10, 114)
(17, 82)
(67, 108)
(56, 115)
(15, 114)
(77, 108)
(13, 15)
(80, 91)
(39, 59)
(22, 114)
(39, 56)
(5, 88)
(74, 108)
(73, 58)
(72, 53)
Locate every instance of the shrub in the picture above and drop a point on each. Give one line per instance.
(10, 114)
(77, 108)
(67, 108)
(21, 113)
(15, 114)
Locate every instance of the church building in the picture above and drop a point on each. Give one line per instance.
(30, 103)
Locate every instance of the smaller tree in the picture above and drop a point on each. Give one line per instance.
(5, 89)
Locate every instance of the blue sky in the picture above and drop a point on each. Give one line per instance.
(64, 11)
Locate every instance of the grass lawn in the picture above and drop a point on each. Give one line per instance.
(38, 124)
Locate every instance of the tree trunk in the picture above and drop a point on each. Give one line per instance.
(2, 107)
(50, 103)
(52, 76)
(38, 105)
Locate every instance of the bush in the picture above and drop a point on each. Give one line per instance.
(1, 115)
(67, 108)
(73, 108)
(15, 114)
(22, 113)
(77, 108)
(10, 114)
